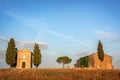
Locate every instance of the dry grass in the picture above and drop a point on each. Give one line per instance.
(58, 74)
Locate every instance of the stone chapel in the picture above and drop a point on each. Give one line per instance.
(24, 59)
(94, 62)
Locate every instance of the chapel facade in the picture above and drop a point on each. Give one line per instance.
(24, 59)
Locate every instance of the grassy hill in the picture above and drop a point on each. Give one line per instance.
(58, 74)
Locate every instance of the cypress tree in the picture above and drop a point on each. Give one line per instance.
(100, 52)
(11, 54)
(37, 56)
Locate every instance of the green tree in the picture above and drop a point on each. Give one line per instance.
(37, 56)
(11, 54)
(84, 61)
(15, 64)
(64, 60)
(100, 52)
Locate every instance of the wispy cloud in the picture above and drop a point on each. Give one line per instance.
(109, 36)
(41, 24)
(2, 59)
(83, 53)
(3, 39)
(26, 44)
(116, 61)
(26, 19)
(2, 54)
(104, 34)
(30, 44)
(67, 37)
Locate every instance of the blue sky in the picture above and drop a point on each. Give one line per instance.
(66, 27)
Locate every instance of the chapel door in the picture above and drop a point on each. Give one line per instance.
(23, 64)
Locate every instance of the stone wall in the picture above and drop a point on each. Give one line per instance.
(23, 59)
(94, 61)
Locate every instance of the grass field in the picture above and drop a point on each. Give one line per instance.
(58, 74)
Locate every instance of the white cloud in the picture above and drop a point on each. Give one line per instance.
(26, 44)
(85, 53)
(3, 39)
(103, 34)
(116, 62)
(117, 41)
(2, 54)
(67, 37)
(30, 44)
(2, 59)
(111, 37)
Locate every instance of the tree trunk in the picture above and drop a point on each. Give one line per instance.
(63, 65)
(100, 64)
(10, 66)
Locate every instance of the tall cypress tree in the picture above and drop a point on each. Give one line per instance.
(37, 56)
(100, 52)
(11, 54)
